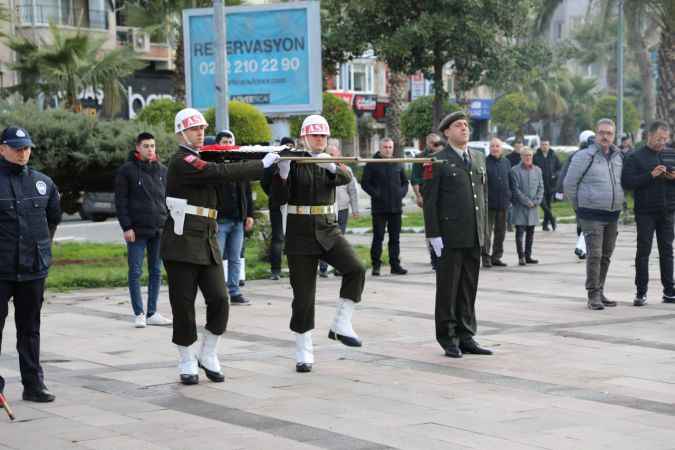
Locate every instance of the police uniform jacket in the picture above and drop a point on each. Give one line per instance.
(29, 205)
(308, 185)
(455, 201)
(190, 177)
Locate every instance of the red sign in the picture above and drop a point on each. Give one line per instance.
(365, 102)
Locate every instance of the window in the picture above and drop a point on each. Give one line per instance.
(356, 77)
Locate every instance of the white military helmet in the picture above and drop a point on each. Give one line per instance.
(314, 124)
(188, 118)
(585, 135)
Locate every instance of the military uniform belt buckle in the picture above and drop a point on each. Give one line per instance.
(316, 210)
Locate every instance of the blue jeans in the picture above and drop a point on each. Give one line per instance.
(230, 241)
(135, 255)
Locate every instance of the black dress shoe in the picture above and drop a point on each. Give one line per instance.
(398, 270)
(346, 340)
(473, 348)
(216, 377)
(303, 367)
(239, 300)
(498, 263)
(376, 271)
(607, 302)
(453, 351)
(521, 261)
(529, 260)
(38, 395)
(189, 379)
(486, 262)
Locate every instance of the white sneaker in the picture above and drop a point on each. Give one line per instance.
(159, 320)
(139, 322)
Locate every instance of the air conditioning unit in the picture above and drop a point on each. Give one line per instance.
(141, 40)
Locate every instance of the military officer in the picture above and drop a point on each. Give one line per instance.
(189, 246)
(312, 234)
(29, 207)
(455, 209)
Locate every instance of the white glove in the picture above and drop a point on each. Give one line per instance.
(559, 196)
(284, 169)
(437, 244)
(328, 166)
(269, 159)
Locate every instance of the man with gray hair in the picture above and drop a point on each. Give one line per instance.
(649, 173)
(386, 184)
(593, 186)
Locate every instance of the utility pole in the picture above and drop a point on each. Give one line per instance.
(222, 113)
(619, 77)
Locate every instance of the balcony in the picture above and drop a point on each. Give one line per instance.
(42, 15)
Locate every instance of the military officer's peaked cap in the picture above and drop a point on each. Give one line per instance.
(450, 118)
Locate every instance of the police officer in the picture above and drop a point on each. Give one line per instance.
(189, 246)
(312, 234)
(29, 206)
(455, 209)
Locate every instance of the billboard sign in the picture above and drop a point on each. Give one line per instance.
(273, 57)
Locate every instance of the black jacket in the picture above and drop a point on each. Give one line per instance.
(651, 194)
(498, 181)
(140, 192)
(29, 206)
(550, 167)
(514, 158)
(235, 200)
(386, 184)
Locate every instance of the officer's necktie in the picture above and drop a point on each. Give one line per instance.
(467, 161)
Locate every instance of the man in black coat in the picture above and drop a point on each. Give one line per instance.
(498, 170)
(649, 171)
(29, 206)
(386, 184)
(140, 188)
(550, 166)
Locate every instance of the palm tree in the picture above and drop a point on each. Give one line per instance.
(72, 62)
(578, 115)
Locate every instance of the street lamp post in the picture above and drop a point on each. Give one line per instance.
(619, 77)
(222, 113)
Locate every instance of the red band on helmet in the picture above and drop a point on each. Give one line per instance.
(316, 128)
(192, 121)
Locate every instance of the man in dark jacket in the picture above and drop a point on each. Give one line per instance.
(550, 166)
(29, 206)
(498, 171)
(649, 172)
(140, 188)
(387, 185)
(235, 215)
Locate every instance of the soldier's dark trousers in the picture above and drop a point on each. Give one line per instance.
(277, 245)
(303, 281)
(184, 278)
(456, 287)
(647, 224)
(392, 223)
(27, 297)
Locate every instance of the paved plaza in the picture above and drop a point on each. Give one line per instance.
(562, 377)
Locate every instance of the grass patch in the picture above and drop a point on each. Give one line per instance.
(78, 265)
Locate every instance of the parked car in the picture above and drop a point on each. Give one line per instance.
(97, 206)
(484, 146)
(529, 140)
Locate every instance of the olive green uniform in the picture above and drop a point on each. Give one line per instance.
(193, 259)
(455, 208)
(310, 238)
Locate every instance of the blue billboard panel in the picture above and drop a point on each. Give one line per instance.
(273, 57)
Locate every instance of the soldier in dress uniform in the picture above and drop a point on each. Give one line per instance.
(455, 216)
(189, 246)
(312, 234)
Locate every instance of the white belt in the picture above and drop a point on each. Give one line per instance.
(311, 209)
(201, 211)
